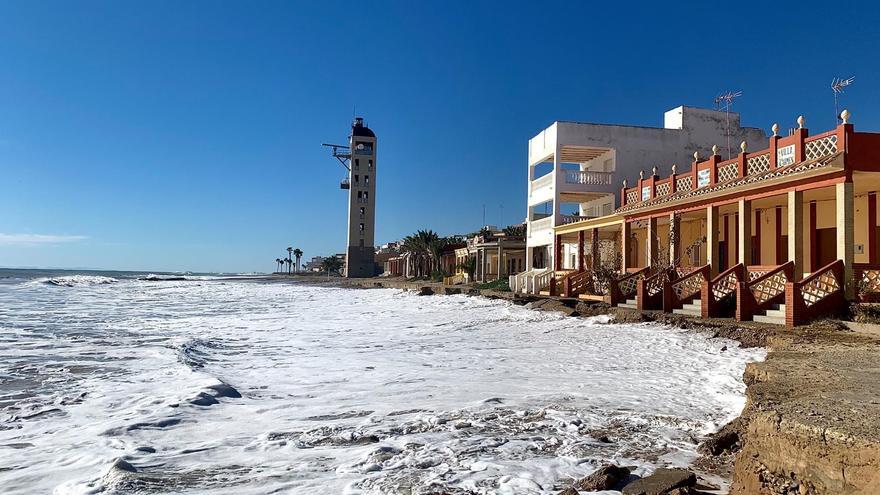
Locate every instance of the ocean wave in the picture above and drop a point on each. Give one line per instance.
(152, 277)
(78, 280)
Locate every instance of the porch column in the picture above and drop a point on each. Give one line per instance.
(651, 244)
(712, 239)
(500, 251)
(595, 256)
(843, 194)
(625, 242)
(744, 226)
(674, 239)
(757, 254)
(872, 228)
(796, 232)
(581, 261)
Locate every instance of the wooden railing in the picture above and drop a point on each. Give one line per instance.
(621, 289)
(649, 290)
(718, 295)
(541, 280)
(867, 280)
(821, 294)
(763, 291)
(683, 289)
(577, 283)
(557, 279)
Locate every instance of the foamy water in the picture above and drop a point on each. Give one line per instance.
(254, 387)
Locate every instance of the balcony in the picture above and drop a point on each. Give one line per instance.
(588, 177)
(566, 219)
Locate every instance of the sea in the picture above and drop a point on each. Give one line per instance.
(127, 382)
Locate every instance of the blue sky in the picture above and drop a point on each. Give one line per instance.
(186, 135)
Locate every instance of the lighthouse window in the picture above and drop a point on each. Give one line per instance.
(366, 195)
(367, 180)
(370, 164)
(357, 163)
(357, 179)
(362, 227)
(359, 194)
(363, 211)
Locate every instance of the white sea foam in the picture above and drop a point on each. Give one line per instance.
(342, 391)
(75, 280)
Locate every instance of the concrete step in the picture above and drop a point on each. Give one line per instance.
(627, 306)
(697, 302)
(770, 319)
(688, 311)
(632, 301)
(775, 313)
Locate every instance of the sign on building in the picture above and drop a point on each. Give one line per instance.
(785, 156)
(646, 193)
(703, 177)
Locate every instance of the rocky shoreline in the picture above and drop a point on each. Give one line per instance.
(811, 425)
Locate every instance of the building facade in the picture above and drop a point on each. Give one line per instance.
(783, 234)
(574, 168)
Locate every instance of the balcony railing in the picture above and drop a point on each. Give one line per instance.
(542, 181)
(588, 177)
(541, 224)
(566, 219)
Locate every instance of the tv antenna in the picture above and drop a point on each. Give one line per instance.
(342, 153)
(837, 85)
(725, 101)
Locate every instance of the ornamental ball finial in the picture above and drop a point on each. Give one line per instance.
(625, 184)
(654, 170)
(743, 145)
(845, 115)
(641, 174)
(801, 121)
(714, 149)
(775, 129)
(674, 166)
(696, 156)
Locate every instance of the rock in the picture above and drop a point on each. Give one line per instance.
(425, 291)
(124, 466)
(225, 390)
(604, 478)
(662, 482)
(727, 439)
(569, 491)
(204, 399)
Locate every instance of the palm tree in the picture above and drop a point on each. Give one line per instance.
(298, 253)
(469, 265)
(289, 259)
(278, 263)
(331, 264)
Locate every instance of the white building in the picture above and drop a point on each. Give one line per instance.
(575, 169)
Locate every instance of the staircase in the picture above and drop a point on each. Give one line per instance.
(695, 308)
(776, 315)
(630, 303)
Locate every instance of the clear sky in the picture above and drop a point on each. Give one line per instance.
(186, 135)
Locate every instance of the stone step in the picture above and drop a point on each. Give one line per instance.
(632, 301)
(627, 306)
(693, 307)
(688, 311)
(697, 302)
(770, 319)
(775, 313)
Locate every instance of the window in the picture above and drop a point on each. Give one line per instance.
(359, 194)
(366, 195)
(370, 164)
(362, 227)
(363, 211)
(362, 243)
(357, 179)
(357, 163)
(367, 180)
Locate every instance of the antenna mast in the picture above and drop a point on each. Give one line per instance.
(837, 85)
(725, 100)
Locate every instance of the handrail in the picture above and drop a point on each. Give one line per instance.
(620, 289)
(821, 293)
(677, 292)
(718, 290)
(649, 290)
(577, 283)
(867, 280)
(758, 294)
(557, 280)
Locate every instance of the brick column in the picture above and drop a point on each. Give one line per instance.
(796, 232)
(557, 252)
(712, 251)
(744, 226)
(843, 194)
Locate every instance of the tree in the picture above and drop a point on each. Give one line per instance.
(331, 264)
(469, 265)
(298, 253)
(515, 230)
(278, 264)
(289, 259)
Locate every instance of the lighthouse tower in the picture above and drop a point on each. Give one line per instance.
(360, 260)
